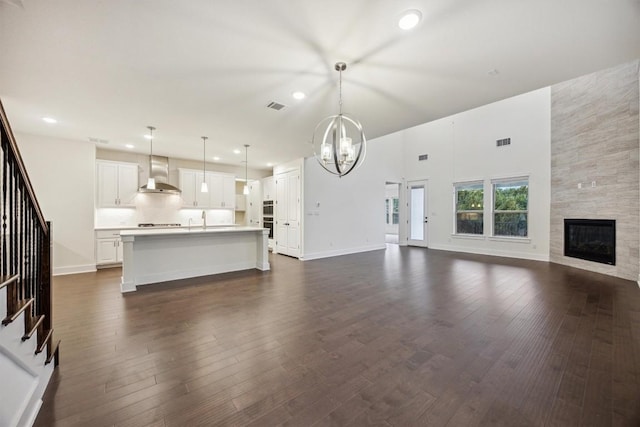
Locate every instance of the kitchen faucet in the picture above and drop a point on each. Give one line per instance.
(190, 219)
(204, 220)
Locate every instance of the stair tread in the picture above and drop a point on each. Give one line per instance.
(44, 341)
(7, 279)
(22, 306)
(54, 354)
(35, 323)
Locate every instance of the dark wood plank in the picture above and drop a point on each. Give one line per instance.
(406, 336)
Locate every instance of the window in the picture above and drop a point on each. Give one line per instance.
(392, 209)
(469, 198)
(511, 207)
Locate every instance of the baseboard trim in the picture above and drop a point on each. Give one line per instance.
(340, 252)
(74, 269)
(505, 254)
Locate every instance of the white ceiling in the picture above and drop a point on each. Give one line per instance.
(107, 69)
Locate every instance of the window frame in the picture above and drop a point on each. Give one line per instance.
(468, 185)
(494, 211)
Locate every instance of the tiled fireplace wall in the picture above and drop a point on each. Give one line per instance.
(595, 139)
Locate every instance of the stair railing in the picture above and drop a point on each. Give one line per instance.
(25, 245)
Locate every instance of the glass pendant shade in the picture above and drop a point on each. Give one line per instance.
(204, 188)
(245, 190)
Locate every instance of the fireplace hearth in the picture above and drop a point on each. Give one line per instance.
(591, 239)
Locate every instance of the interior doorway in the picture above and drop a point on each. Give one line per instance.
(418, 213)
(392, 213)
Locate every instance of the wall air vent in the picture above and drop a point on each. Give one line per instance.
(422, 157)
(275, 106)
(98, 140)
(503, 142)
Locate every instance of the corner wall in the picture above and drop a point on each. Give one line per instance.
(595, 138)
(346, 215)
(63, 176)
(463, 148)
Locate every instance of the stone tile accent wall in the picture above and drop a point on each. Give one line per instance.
(595, 137)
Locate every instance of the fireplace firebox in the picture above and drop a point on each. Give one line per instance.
(591, 239)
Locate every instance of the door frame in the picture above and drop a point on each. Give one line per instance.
(418, 182)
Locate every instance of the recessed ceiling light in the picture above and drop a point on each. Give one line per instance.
(130, 146)
(269, 164)
(298, 95)
(147, 136)
(50, 120)
(236, 151)
(409, 19)
(216, 158)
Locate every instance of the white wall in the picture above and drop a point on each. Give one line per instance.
(63, 176)
(462, 147)
(346, 215)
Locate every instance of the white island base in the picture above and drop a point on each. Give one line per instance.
(154, 256)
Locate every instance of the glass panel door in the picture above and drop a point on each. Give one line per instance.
(418, 218)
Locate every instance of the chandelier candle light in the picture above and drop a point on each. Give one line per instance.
(338, 153)
(151, 182)
(204, 188)
(245, 190)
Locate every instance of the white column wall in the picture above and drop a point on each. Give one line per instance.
(62, 173)
(346, 215)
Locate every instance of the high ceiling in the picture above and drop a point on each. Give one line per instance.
(106, 69)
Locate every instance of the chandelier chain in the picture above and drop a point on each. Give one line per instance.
(340, 92)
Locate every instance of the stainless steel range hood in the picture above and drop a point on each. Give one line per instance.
(160, 172)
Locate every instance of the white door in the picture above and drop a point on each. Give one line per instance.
(293, 214)
(288, 213)
(418, 213)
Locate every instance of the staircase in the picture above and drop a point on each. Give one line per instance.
(28, 354)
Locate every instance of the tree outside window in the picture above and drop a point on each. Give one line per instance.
(469, 198)
(511, 208)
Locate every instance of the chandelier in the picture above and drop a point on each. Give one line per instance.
(333, 143)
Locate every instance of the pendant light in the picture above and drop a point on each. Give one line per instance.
(245, 191)
(204, 188)
(151, 182)
(336, 151)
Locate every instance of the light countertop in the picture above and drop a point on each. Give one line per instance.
(158, 231)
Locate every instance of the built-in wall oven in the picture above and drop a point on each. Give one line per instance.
(267, 216)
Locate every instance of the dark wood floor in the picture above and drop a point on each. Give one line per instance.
(401, 337)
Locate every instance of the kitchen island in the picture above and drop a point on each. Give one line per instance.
(160, 255)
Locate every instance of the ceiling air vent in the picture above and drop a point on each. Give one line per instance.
(98, 140)
(422, 157)
(503, 142)
(275, 106)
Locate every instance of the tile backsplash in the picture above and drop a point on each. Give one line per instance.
(160, 208)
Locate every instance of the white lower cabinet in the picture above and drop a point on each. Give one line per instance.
(108, 247)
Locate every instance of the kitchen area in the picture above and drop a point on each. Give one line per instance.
(190, 232)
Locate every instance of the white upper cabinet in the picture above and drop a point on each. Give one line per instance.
(221, 192)
(268, 188)
(191, 184)
(117, 184)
